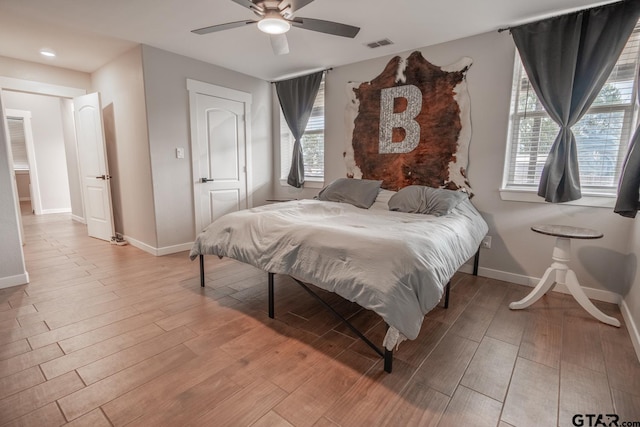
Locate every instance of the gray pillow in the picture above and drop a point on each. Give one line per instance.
(425, 200)
(357, 192)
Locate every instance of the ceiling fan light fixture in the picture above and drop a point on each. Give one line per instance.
(273, 23)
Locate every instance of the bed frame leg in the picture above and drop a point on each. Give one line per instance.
(476, 261)
(271, 304)
(388, 360)
(202, 270)
(446, 294)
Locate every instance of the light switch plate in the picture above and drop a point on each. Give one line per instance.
(179, 153)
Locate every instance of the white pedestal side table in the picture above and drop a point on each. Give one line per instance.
(560, 273)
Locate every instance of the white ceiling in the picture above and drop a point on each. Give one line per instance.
(87, 34)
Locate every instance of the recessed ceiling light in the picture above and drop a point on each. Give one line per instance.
(48, 53)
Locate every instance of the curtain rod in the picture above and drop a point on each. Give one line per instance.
(326, 70)
(562, 14)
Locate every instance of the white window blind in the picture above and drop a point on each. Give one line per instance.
(602, 135)
(312, 141)
(18, 143)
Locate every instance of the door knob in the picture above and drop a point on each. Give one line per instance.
(203, 180)
(103, 177)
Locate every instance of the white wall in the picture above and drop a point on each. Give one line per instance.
(121, 88)
(165, 79)
(71, 152)
(41, 73)
(632, 298)
(48, 141)
(516, 250)
(12, 269)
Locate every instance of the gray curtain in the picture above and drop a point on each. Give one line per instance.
(568, 59)
(628, 202)
(296, 98)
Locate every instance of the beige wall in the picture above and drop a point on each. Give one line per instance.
(165, 79)
(517, 254)
(121, 87)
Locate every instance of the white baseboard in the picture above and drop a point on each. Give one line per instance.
(20, 279)
(632, 327)
(167, 250)
(79, 219)
(55, 211)
(519, 279)
(140, 245)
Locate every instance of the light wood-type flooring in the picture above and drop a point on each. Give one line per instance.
(110, 335)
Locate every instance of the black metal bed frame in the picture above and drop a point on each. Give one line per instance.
(386, 354)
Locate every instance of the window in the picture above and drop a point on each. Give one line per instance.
(18, 143)
(312, 142)
(602, 135)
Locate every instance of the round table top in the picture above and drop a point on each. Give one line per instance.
(567, 231)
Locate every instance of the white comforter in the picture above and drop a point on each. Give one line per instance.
(393, 263)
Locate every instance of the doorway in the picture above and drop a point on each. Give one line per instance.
(48, 151)
(54, 94)
(219, 150)
(21, 142)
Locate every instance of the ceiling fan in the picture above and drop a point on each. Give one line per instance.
(276, 18)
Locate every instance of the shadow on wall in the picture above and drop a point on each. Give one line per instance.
(619, 272)
(109, 122)
(498, 250)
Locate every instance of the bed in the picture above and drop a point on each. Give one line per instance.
(394, 262)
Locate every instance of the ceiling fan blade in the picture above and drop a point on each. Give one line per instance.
(246, 3)
(279, 44)
(327, 27)
(221, 27)
(294, 4)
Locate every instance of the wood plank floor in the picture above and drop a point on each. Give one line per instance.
(109, 335)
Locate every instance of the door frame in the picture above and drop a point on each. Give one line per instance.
(34, 187)
(196, 87)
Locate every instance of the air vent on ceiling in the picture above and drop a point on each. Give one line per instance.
(383, 42)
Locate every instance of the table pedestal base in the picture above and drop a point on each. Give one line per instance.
(560, 273)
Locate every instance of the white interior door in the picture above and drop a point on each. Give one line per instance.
(219, 156)
(94, 171)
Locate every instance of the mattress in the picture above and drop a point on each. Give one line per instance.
(396, 264)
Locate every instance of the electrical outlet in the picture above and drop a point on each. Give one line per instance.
(486, 242)
(179, 153)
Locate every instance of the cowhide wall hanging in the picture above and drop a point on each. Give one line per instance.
(411, 125)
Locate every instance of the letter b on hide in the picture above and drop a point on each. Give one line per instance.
(405, 119)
